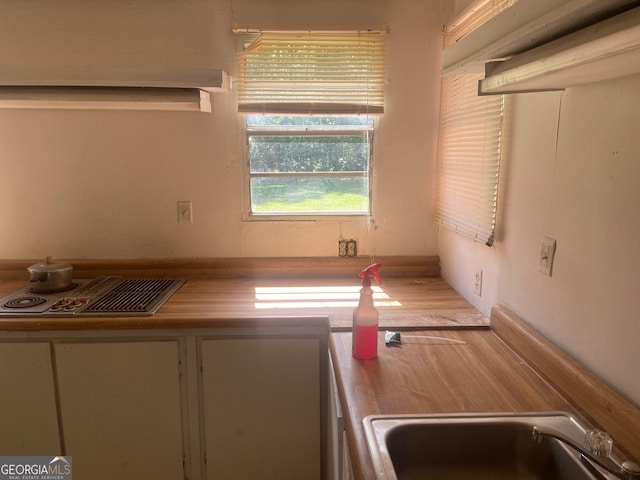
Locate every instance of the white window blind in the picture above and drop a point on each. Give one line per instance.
(309, 73)
(469, 157)
(472, 17)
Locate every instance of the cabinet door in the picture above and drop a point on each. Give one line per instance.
(261, 408)
(27, 402)
(121, 409)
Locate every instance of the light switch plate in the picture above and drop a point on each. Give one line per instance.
(547, 252)
(185, 211)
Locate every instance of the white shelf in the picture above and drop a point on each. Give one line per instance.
(521, 27)
(606, 50)
(210, 80)
(105, 98)
(109, 89)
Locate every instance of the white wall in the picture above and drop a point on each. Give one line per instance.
(88, 184)
(572, 173)
(105, 184)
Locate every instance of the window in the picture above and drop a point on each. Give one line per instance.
(470, 150)
(309, 99)
(309, 165)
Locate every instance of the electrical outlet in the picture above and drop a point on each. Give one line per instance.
(185, 211)
(477, 282)
(547, 251)
(347, 248)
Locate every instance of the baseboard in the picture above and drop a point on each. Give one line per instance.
(250, 267)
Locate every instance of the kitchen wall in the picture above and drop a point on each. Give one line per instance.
(89, 184)
(104, 184)
(572, 173)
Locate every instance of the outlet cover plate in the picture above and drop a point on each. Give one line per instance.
(477, 282)
(347, 248)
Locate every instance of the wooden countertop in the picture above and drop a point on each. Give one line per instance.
(423, 376)
(509, 368)
(404, 302)
(434, 376)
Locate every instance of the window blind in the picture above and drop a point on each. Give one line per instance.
(309, 73)
(469, 158)
(472, 17)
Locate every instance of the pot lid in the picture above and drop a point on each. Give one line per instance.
(49, 266)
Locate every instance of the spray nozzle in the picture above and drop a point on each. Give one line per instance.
(371, 271)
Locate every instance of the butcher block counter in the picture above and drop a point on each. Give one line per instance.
(434, 376)
(509, 368)
(499, 365)
(218, 292)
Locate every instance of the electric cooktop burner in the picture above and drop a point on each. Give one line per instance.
(58, 290)
(100, 296)
(24, 302)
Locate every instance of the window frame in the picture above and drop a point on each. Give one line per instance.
(249, 215)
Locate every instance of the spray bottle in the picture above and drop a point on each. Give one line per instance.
(365, 317)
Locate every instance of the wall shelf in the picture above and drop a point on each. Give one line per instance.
(211, 80)
(524, 25)
(106, 98)
(606, 50)
(109, 89)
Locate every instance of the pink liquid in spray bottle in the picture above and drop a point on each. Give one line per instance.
(365, 318)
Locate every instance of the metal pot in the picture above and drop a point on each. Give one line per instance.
(50, 277)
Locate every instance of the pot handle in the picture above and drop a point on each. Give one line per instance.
(39, 277)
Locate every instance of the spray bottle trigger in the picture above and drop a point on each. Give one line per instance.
(372, 270)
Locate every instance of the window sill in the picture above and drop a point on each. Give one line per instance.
(329, 217)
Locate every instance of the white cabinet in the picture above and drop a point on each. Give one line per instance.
(27, 401)
(339, 459)
(261, 408)
(198, 404)
(120, 405)
(346, 471)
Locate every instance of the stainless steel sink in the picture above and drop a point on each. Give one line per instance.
(477, 446)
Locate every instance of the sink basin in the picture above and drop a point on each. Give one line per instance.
(478, 446)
